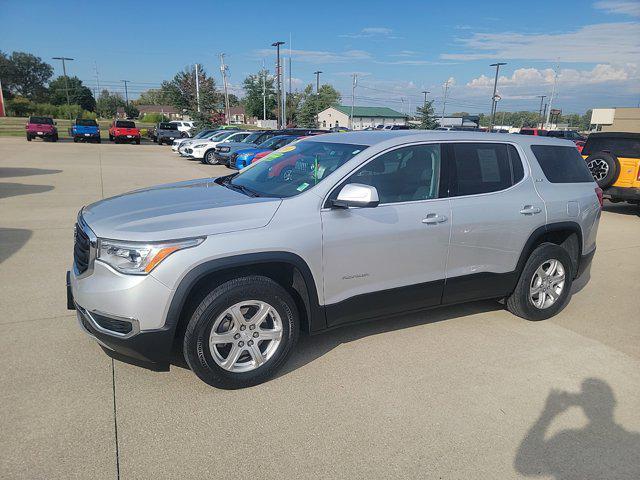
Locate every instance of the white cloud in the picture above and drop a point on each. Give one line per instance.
(320, 56)
(533, 77)
(622, 7)
(404, 53)
(600, 43)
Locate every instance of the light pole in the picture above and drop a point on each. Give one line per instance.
(126, 92)
(353, 98)
(494, 102)
(64, 71)
(279, 94)
(317, 74)
(541, 97)
(425, 96)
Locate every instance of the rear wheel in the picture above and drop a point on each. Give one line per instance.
(544, 285)
(241, 333)
(137, 141)
(54, 138)
(28, 138)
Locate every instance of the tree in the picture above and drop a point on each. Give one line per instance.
(234, 101)
(253, 101)
(25, 75)
(78, 93)
(131, 111)
(153, 96)
(585, 121)
(427, 116)
(181, 92)
(108, 103)
(312, 103)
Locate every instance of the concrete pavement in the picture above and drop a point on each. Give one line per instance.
(461, 392)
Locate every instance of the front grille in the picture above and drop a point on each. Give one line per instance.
(81, 249)
(118, 326)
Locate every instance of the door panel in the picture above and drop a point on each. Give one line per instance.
(390, 258)
(488, 229)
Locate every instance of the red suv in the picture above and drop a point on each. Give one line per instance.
(43, 127)
(533, 131)
(124, 131)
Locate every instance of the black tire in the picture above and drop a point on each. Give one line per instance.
(99, 140)
(519, 302)
(29, 138)
(196, 338)
(137, 141)
(110, 138)
(54, 138)
(75, 139)
(183, 134)
(604, 167)
(210, 158)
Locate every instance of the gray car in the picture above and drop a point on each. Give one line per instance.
(333, 230)
(167, 132)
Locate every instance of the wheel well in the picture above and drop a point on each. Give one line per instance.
(567, 238)
(285, 274)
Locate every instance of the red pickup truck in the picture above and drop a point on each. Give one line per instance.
(124, 131)
(43, 127)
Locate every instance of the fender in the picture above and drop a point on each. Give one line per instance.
(315, 314)
(540, 232)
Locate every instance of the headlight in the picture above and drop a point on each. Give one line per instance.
(200, 145)
(223, 149)
(138, 258)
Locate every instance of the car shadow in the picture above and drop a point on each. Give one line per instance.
(15, 189)
(12, 240)
(312, 347)
(601, 449)
(9, 172)
(622, 208)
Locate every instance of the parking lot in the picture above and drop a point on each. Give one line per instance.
(469, 391)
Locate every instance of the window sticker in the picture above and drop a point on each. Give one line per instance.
(302, 187)
(489, 169)
(288, 148)
(272, 156)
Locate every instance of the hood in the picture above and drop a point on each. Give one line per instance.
(178, 210)
(249, 151)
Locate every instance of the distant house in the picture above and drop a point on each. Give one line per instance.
(363, 117)
(238, 115)
(167, 110)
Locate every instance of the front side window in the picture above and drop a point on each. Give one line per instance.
(484, 168)
(294, 169)
(403, 175)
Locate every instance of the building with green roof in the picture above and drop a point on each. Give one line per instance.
(363, 117)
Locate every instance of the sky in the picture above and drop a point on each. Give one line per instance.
(398, 49)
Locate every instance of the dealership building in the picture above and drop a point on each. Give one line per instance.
(616, 120)
(363, 117)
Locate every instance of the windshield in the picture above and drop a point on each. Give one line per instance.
(221, 135)
(204, 133)
(86, 123)
(295, 168)
(252, 137)
(41, 120)
(125, 124)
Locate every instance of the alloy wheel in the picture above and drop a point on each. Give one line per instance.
(547, 284)
(599, 168)
(245, 336)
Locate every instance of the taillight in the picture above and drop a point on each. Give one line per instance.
(599, 194)
(638, 173)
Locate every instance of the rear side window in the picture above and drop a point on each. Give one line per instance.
(484, 168)
(562, 164)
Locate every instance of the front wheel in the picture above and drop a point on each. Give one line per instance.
(210, 158)
(241, 333)
(28, 137)
(110, 138)
(137, 141)
(544, 286)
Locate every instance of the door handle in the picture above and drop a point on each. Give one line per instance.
(434, 219)
(530, 210)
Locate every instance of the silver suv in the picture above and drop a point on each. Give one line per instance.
(331, 230)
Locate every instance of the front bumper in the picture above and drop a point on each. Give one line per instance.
(152, 347)
(623, 193)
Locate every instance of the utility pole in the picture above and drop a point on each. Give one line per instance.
(284, 96)
(425, 96)
(223, 69)
(126, 92)
(278, 73)
(197, 88)
(553, 94)
(541, 97)
(353, 98)
(264, 92)
(444, 101)
(95, 68)
(64, 71)
(494, 101)
(2, 112)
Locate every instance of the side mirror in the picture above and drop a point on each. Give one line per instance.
(357, 195)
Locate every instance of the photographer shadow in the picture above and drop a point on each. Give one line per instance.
(602, 449)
